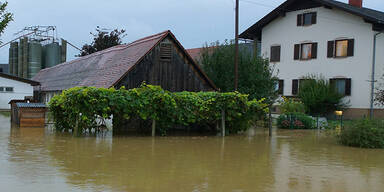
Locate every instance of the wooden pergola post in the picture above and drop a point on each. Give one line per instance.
(223, 122)
(153, 128)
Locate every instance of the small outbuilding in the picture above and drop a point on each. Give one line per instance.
(158, 59)
(28, 114)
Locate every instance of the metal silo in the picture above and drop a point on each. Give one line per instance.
(14, 57)
(34, 58)
(10, 60)
(52, 54)
(25, 58)
(63, 51)
(20, 59)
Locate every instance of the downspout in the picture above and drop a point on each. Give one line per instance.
(373, 74)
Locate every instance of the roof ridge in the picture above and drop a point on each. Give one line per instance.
(114, 48)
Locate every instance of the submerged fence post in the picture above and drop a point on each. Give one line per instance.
(270, 122)
(153, 128)
(222, 122)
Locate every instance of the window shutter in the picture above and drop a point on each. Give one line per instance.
(272, 57)
(314, 17)
(295, 86)
(281, 87)
(351, 45)
(314, 50)
(300, 20)
(296, 55)
(331, 49)
(348, 87)
(332, 82)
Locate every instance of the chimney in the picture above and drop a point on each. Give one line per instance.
(356, 3)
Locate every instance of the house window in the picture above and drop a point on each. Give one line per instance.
(275, 53)
(305, 51)
(1, 89)
(306, 19)
(341, 48)
(341, 85)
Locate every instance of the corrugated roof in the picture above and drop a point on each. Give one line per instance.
(100, 69)
(370, 15)
(31, 105)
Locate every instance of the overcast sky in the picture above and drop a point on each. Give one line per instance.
(194, 22)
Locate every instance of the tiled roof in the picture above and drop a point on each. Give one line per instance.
(195, 53)
(100, 69)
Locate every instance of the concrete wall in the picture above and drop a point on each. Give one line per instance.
(331, 24)
(20, 90)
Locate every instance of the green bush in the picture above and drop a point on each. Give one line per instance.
(295, 121)
(319, 96)
(363, 133)
(79, 107)
(292, 106)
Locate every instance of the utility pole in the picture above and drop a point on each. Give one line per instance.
(236, 45)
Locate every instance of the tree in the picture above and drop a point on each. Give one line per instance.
(5, 17)
(103, 39)
(256, 76)
(319, 96)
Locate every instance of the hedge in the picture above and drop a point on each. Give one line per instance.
(79, 107)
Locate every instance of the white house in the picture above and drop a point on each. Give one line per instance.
(14, 88)
(328, 38)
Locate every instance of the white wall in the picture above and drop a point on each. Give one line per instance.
(20, 90)
(331, 24)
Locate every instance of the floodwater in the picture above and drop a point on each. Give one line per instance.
(35, 159)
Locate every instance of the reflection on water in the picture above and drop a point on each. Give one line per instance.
(34, 159)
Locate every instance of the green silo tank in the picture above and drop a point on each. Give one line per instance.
(52, 54)
(10, 60)
(14, 57)
(34, 58)
(20, 59)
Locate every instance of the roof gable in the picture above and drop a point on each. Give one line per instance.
(369, 15)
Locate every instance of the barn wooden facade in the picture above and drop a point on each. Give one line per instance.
(159, 59)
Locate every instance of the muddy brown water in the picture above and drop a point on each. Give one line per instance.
(36, 159)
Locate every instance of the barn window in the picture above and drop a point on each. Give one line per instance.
(165, 51)
(9, 89)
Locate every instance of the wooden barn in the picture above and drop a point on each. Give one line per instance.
(158, 59)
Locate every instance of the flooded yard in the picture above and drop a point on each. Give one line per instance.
(302, 161)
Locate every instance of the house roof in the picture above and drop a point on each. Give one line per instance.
(7, 76)
(104, 68)
(195, 53)
(369, 15)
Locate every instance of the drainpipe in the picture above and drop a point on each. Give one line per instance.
(373, 74)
